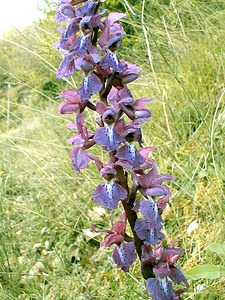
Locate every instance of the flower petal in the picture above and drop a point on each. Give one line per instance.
(109, 194)
(160, 288)
(80, 159)
(124, 255)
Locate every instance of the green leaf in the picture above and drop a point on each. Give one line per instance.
(217, 248)
(206, 272)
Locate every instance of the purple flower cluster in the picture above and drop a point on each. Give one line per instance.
(165, 270)
(89, 44)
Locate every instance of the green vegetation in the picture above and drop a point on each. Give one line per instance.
(46, 249)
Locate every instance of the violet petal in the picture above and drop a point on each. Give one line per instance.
(124, 255)
(108, 194)
(160, 288)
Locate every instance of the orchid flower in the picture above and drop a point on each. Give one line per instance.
(107, 136)
(165, 270)
(123, 253)
(109, 193)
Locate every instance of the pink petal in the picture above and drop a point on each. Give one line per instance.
(112, 239)
(67, 107)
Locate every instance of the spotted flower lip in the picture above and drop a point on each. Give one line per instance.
(129, 157)
(111, 59)
(91, 84)
(109, 194)
(124, 255)
(82, 45)
(160, 289)
(146, 232)
(148, 229)
(108, 138)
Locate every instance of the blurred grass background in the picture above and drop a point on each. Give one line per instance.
(46, 251)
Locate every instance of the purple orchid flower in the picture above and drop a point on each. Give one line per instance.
(146, 232)
(110, 39)
(83, 44)
(151, 183)
(124, 252)
(90, 86)
(124, 255)
(131, 73)
(68, 35)
(81, 158)
(111, 59)
(128, 156)
(88, 9)
(110, 193)
(64, 11)
(67, 66)
(148, 229)
(91, 83)
(163, 262)
(111, 29)
(72, 103)
(107, 136)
